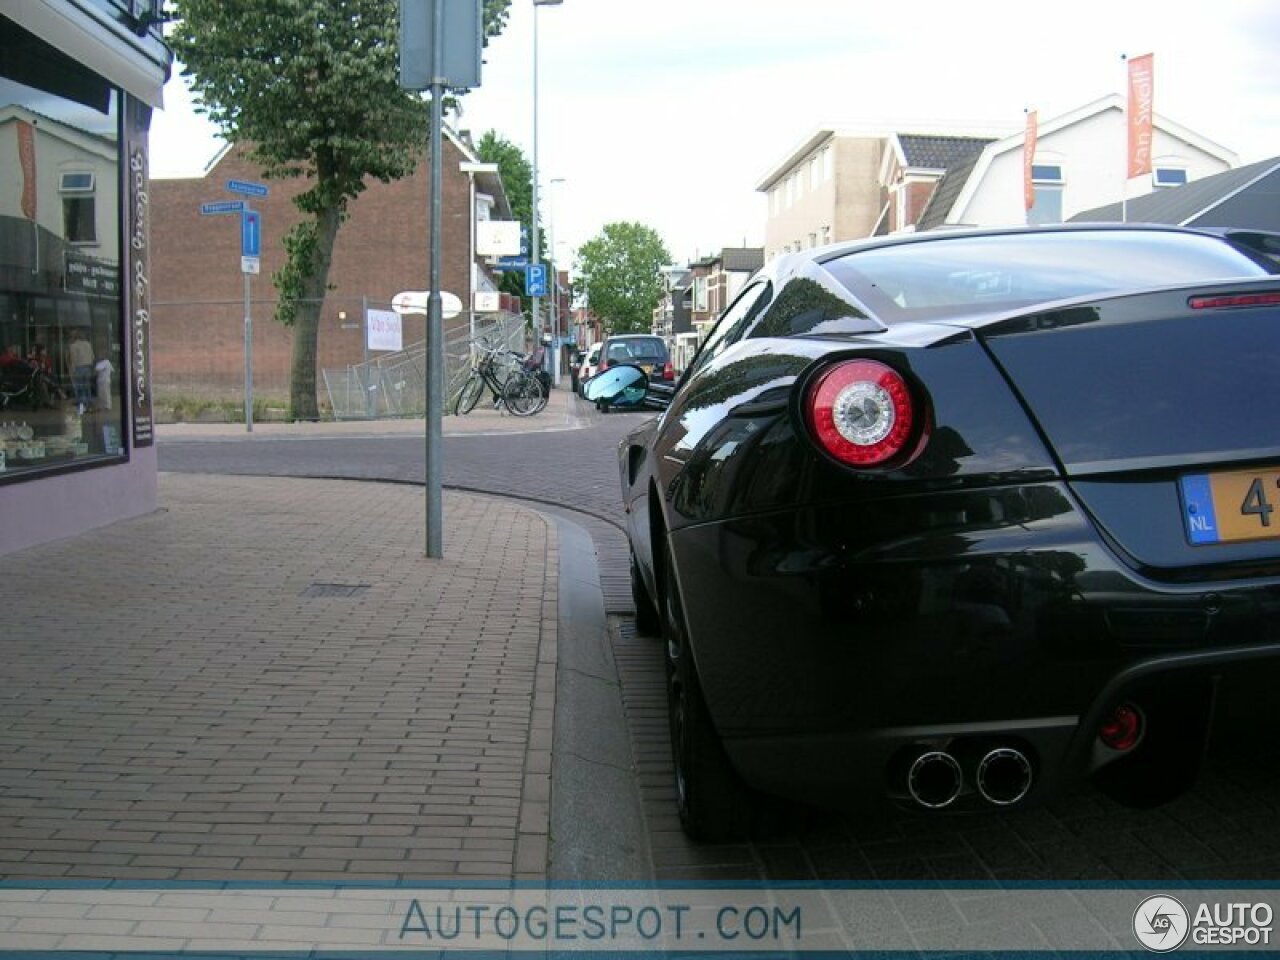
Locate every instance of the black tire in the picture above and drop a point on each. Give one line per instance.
(714, 804)
(522, 395)
(469, 395)
(647, 619)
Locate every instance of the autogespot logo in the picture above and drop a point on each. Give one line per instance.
(1161, 923)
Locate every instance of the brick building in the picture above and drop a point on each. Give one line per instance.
(382, 249)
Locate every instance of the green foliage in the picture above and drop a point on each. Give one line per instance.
(619, 276)
(517, 181)
(311, 88)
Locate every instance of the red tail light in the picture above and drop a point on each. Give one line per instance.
(668, 371)
(1234, 300)
(861, 412)
(1123, 729)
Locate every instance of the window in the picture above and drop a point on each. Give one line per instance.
(700, 294)
(1169, 176)
(1047, 182)
(79, 212)
(815, 172)
(62, 363)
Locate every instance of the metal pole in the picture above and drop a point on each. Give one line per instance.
(533, 227)
(364, 332)
(248, 359)
(555, 282)
(435, 322)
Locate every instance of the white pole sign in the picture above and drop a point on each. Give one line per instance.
(384, 330)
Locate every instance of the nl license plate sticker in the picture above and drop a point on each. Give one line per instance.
(1231, 506)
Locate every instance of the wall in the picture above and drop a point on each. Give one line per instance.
(382, 249)
(1092, 156)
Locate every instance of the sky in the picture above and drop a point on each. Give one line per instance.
(670, 112)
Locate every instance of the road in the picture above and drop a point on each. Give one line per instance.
(1223, 830)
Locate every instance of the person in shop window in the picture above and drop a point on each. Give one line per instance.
(80, 357)
(40, 359)
(102, 370)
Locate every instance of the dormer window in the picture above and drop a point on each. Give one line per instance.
(1169, 176)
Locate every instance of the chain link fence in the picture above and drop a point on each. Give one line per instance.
(393, 385)
(198, 359)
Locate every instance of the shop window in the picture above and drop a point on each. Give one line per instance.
(61, 322)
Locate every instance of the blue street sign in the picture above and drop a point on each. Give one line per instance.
(248, 189)
(221, 206)
(521, 262)
(250, 233)
(535, 280)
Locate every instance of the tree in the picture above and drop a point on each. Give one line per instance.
(311, 88)
(619, 276)
(517, 181)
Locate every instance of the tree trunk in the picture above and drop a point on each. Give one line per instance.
(306, 324)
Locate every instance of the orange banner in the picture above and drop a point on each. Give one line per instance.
(27, 160)
(1028, 158)
(1139, 113)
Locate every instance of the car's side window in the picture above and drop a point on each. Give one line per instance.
(733, 323)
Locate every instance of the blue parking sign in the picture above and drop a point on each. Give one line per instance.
(535, 280)
(250, 233)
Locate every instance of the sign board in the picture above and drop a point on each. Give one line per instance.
(463, 36)
(220, 207)
(250, 234)
(383, 330)
(249, 265)
(535, 280)
(90, 276)
(497, 238)
(486, 301)
(415, 301)
(248, 189)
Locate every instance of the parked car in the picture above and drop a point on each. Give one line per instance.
(646, 351)
(590, 365)
(951, 520)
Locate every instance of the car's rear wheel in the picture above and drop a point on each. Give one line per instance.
(647, 619)
(713, 802)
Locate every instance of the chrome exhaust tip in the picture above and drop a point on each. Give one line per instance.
(1004, 776)
(935, 779)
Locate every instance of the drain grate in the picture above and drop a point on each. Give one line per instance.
(335, 590)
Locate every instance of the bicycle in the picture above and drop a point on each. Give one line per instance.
(518, 391)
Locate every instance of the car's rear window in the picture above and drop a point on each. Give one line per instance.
(647, 348)
(964, 275)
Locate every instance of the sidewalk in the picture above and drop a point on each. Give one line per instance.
(266, 680)
(560, 414)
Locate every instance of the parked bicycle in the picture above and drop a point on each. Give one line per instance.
(22, 383)
(502, 372)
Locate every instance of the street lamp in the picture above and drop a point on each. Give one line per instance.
(535, 259)
(555, 282)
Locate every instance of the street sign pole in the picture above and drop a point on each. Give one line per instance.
(248, 356)
(250, 250)
(422, 25)
(435, 322)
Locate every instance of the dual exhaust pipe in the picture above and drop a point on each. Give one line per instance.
(1003, 776)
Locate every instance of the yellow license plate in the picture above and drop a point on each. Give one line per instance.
(1231, 506)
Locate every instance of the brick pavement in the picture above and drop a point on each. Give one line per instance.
(267, 680)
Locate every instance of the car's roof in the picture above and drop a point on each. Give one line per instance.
(833, 250)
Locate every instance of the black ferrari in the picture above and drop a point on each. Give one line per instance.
(954, 519)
